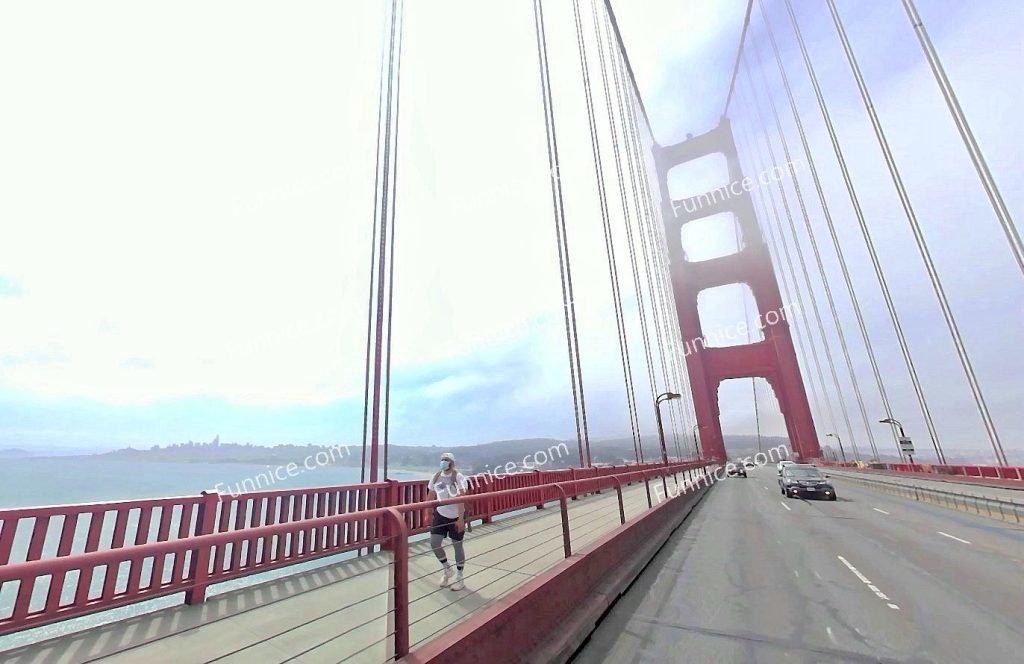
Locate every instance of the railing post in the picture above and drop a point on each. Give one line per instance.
(564, 507)
(400, 581)
(618, 490)
(200, 557)
(572, 473)
(391, 500)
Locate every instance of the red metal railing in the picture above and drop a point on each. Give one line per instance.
(980, 471)
(218, 538)
(33, 533)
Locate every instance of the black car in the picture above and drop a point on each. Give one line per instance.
(735, 470)
(804, 480)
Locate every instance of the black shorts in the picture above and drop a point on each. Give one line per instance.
(445, 527)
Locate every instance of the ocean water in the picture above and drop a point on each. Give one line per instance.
(59, 480)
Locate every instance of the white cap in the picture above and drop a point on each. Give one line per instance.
(449, 456)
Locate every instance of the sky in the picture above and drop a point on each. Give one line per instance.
(186, 198)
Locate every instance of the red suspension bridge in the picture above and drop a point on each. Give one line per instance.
(910, 550)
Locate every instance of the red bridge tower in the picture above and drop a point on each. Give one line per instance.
(773, 358)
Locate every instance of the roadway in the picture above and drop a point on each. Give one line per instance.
(755, 577)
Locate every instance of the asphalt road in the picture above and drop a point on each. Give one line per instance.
(756, 577)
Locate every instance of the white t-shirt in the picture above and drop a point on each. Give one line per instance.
(447, 486)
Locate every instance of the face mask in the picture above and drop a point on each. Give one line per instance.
(445, 464)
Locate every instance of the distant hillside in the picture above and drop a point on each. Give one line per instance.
(14, 453)
(541, 452)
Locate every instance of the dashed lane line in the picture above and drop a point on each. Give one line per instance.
(953, 537)
(868, 583)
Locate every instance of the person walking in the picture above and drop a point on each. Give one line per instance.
(448, 520)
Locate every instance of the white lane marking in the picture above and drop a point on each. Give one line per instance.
(953, 537)
(878, 510)
(831, 636)
(797, 573)
(785, 505)
(868, 583)
(816, 575)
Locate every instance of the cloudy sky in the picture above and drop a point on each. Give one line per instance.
(186, 198)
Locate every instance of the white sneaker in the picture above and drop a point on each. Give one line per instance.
(457, 584)
(447, 578)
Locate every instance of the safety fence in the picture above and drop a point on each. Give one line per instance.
(219, 538)
(996, 508)
(975, 471)
(33, 533)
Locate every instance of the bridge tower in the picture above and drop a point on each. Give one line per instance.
(773, 358)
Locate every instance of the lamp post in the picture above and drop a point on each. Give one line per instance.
(840, 441)
(666, 396)
(903, 436)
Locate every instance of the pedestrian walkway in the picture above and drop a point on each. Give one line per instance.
(340, 612)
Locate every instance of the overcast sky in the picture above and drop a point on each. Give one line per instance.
(186, 197)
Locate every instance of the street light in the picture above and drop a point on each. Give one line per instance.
(667, 396)
(840, 440)
(903, 436)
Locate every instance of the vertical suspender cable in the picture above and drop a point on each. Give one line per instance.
(973, 149)
(614, 88)
(562, 241)
(876, 263)
(609, 244)
(653, 244)
(391, 250)
(750, 334)
(795, 235)
(637, 103)
(383, 222)
(653, 237)
(816, 180)
(758, 161)
(922, 245)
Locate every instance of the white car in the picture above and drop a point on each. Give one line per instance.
(783, 464)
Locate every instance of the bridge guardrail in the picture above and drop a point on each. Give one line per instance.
(996, 508)
(977, 471)
(57, 588)
(34, 533)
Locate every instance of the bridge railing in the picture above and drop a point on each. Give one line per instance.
(956, 470)
(33, 533)
(50, 589)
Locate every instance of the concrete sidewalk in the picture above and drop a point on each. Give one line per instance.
(340, 612)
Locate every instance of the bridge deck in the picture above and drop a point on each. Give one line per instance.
(340, 612)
